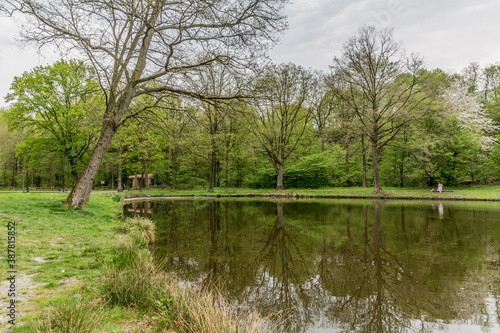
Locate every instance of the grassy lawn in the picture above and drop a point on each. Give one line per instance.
(57, 251)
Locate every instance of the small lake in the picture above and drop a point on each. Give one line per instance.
(340, 265)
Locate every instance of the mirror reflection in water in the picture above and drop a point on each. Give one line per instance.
(338, 265)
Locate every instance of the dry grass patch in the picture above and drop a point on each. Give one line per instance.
(134, 281)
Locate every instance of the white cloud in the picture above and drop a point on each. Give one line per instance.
(14, 58)
(448, 34)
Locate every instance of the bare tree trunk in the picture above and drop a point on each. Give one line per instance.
(211, 180)
(146, 175)
(174, 168)
(63, 183)
(120, 152)
(376, 175)
(112, 178)
(401, 171)
(348, 181)
(363, 147)
(80, 193)
(167, 181)
(217, 173)
(226, 184)
(279, 182)
(322, 139)
(403, 155)
(27, 175)
(74, 174)
(9, 177)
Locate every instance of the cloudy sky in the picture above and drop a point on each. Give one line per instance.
(449, 34)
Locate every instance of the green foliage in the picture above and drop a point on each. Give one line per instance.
(58, 109)
(263, 178)
(167, 310)
(175, 141)
(313, 171)
(117, 198)
(495, 157)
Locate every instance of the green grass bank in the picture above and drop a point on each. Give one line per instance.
(451, 193)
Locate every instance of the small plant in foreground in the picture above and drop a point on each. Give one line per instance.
(73, 315)
(144, 226)
(117, 198)
(167, 311)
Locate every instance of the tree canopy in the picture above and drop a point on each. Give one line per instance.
(196, 108)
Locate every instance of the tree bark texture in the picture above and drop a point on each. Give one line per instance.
(120, 185)
(80, 193)
(376, 175)
(363, 147)
(174, 167)
(211, 180)
(279, 178)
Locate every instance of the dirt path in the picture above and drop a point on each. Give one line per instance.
(25, 290)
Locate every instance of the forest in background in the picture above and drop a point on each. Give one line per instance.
(314, 130)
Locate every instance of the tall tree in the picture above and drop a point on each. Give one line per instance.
(217, 81)
(134, 43)
(282, 112)
(173, 124)
(491, 81)
(472, 75)
(60, 105)
(323, 106)
(376, 79)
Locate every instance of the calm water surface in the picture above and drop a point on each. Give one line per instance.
(338, 265)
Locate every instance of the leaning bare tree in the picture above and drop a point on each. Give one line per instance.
(143, 47)
(382, 85)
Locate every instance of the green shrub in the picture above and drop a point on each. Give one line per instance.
(117, 198)
(313, 171)
(264, 178)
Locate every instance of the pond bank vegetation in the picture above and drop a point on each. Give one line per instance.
(465, 193)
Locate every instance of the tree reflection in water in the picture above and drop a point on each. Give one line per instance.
(284, 283)
(341, 266)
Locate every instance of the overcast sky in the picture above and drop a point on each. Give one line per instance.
(449, 34)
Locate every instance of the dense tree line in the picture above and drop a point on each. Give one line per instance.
(377, 118)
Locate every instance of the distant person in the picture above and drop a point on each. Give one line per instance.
(440, 187)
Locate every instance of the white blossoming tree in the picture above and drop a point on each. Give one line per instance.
(471, 116)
